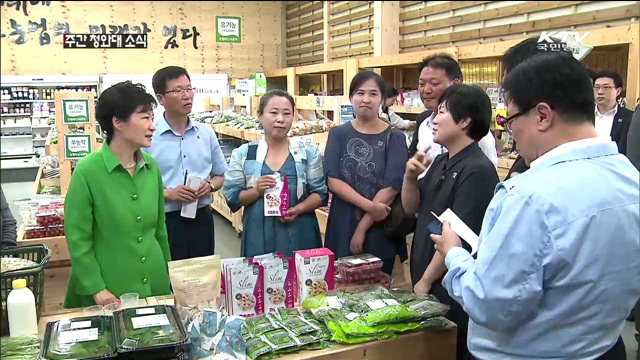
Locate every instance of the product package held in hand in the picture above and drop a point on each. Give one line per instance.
(314, 271)
(276, 199)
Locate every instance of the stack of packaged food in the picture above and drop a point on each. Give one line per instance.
(376, 314)
(357, 273)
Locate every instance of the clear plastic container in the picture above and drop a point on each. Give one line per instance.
(353, 269)
(151, 332)
(90, 337)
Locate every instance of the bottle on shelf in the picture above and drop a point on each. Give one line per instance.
(21, 310)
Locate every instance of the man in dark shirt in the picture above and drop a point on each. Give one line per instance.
(463, 180)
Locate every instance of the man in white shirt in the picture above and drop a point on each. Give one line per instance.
(437, 73)
(612, 120)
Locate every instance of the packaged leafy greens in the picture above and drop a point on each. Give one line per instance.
(298, 325)
(79, 338)
(258, 346)
(261, 324)
(147, 329)
(280, 339)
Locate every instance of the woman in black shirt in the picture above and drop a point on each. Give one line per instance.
(462, 180)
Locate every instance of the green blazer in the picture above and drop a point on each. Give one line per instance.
(115, 229)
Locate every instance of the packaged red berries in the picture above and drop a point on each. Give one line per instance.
(353, 269)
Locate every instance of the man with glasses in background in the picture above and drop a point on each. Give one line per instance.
(182, 147)
(612, 120)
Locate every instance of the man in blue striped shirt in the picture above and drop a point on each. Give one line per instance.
(181, 146)
(558, 264)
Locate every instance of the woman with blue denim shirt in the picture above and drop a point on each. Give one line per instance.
(247, 179)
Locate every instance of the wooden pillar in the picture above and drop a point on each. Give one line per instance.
(350, 70)
(386, 28)
(326, 30)
(293, 83)
(283, 32)
(633, 74)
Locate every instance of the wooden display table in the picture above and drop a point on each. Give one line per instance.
(420, 345)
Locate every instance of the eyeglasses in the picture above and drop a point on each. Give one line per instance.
(604, 88)
(180, 92)
(506, 121)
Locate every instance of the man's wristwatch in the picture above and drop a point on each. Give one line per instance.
(213, 187)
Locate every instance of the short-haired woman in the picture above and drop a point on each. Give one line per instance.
(249, 176)
(462, 179)
(114, 208)
(364, 161)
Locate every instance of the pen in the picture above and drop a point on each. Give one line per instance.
(186, 172)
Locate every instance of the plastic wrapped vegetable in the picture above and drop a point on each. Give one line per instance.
(149, 327)
(79, 338)
(19, 348)
(261, 324)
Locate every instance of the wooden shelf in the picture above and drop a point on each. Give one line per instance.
(408, 110)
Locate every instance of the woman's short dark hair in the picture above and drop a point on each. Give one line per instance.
(264, 100)
(617, 79)
(120, 101)
(362, 77)
(469, 102)
(560, 81)
(443, 61)
(162, 76)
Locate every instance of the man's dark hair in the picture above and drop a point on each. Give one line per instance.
(528, 48)
(617, 79)
(362, 77)
(444, 62)
(391, 92)
(264, 100)
(469, 101)
(559, 81)
(120, 101)
(162, 76)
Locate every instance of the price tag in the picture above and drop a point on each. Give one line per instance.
(351, 316)
(356, 261)
(149, 321)
(77, 336)
(319, 101)
(333, 302)
(146, 311)
(391, 302)
(80, 324)
(376, 304)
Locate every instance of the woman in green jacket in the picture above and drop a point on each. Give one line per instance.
(114, 208)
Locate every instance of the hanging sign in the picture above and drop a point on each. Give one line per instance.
(76, 146)
(75, 111)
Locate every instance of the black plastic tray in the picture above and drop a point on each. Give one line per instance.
(177, 350)
(46, 343)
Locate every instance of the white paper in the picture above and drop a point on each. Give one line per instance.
(374, 259)
(145, 311)
(391, 302)
(356, 261)
(149, 321)
(460, 228)
(81, 324)
(376, 304)
(77, 336)
(189, 209)
(333, 302)
(351, 316)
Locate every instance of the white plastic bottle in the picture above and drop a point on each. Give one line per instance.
(21, 308)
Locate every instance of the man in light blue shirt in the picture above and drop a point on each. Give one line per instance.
(558, 263)
(182, 147)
